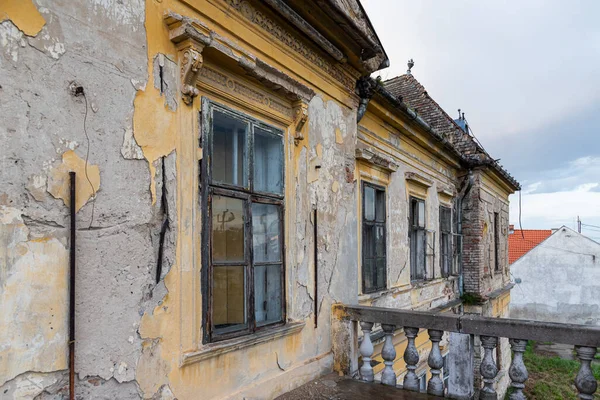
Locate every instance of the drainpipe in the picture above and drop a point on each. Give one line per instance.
(460, 237)
(73, 227)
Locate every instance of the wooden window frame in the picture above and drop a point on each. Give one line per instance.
(365, 223)
(450, 238)
(210, 188)
(412, 229)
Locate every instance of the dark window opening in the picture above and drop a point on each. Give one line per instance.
(242, 193)
(418, 239)
(446, 242)
(374, 272)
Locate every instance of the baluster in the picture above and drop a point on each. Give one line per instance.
(366, 351)
(388, 353)
(585, 382)
(517, 371)
(436, 362)
(411, 358)
(488, 368)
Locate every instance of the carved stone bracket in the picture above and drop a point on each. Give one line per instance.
(191, 62)
(300, 118)
(372, 156)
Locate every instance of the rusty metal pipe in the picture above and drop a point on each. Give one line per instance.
(72, 289)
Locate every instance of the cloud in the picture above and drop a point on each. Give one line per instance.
(579, 175)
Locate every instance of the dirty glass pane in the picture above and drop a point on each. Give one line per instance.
(268, 294)
(227, 229)
(421, 210)
(369, 199)
(266, 232)
(368, 281)
(368, 241)
(445, 255)
(445, 219)
(420, 256)
(268, 162)
(379, 241)
(229, 153)
(380, 205)
(229, 298)
(380, 268)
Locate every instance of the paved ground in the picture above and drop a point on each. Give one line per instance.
(564, 351)
(334, 387)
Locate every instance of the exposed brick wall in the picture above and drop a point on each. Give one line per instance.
(479, 272)
(472, 230)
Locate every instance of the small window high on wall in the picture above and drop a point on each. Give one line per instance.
(418, 239)
(374, 272)
(242, 190)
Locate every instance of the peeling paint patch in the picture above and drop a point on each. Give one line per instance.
(36, 186)
(51, 39)
(339, 138)
(30, 385)
(33, 294)
(58, 179)
(130, 150)
(23, 14)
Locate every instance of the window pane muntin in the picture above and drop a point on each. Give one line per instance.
(229, 164)
(229, 302)
(268, 161)
(208, 186)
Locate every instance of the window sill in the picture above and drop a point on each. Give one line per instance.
(365, 297)
(219, 348)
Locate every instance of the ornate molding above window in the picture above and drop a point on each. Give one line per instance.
(414, 177)
(375, 157)
(446, 190)
(193, 37)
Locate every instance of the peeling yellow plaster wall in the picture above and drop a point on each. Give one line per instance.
(33, 300)
(154, 125)
(23, 14)
(59, 182)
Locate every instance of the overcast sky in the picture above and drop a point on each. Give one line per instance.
(527, 75)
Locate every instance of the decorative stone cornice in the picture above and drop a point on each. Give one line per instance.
(196, 36)
(418, 179)
(374, 157)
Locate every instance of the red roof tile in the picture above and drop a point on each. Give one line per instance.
(521, 241)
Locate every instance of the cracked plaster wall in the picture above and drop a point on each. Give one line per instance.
(44, 46)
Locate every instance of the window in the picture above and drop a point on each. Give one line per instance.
(418, 239)
(446, 254)
(242, 192)
(496, 241)
(374, 272)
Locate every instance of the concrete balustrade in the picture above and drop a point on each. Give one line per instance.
(586, 340)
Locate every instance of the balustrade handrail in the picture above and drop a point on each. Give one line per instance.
(581, 335)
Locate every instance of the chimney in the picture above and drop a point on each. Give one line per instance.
(511, 229)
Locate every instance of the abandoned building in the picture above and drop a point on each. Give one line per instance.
(213, 199)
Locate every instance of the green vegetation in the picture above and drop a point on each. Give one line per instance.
(552, 378)
(471, 299)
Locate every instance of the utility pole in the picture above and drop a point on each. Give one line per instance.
(578, 224)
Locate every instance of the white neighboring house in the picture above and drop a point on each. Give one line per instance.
(558, 280)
